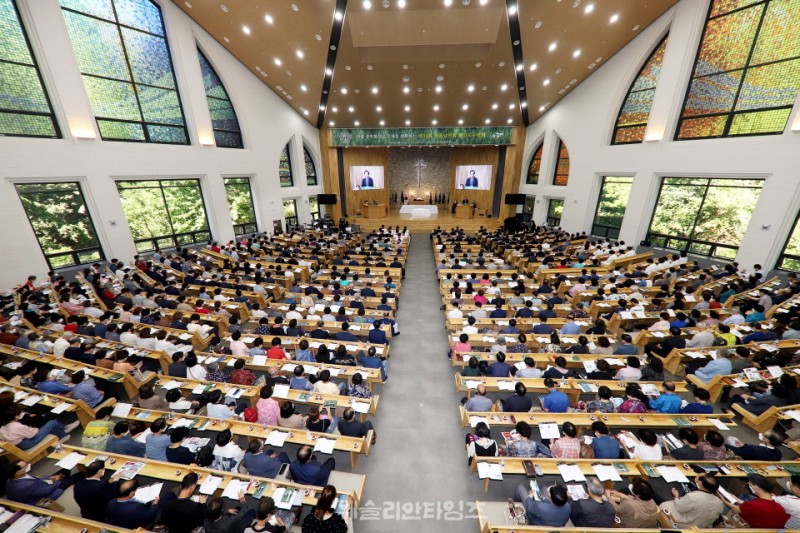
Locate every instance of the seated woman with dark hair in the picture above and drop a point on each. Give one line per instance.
(637, 509)
(560, 371)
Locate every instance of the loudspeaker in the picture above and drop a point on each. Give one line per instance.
(515, 199)
(326, 199)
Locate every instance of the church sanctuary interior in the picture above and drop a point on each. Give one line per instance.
(378, 266)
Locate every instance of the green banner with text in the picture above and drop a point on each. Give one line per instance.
(419, 136)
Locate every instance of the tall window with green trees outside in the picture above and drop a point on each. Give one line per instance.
(240, 201)
(790, 258)
(62, 223)
(555, 208)
(25, 108)
(122, 52)
(290, 212)
(703, 216)
(611, 204)
(285, 167)
(164, 213)
(311, 170)
(313, 207)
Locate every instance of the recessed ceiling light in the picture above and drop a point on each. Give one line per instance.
(335, 109)
(501, 64)
(357, 123)
(369, 67)
(460, 121)
(332, 123)
(441, 65)
(520, 67)
(224, 8)
(188, 4)
(295, 7)
(487, 121)
(438, 88)
(246, 30)
(321, 107)
(511, 106)
(300, 54)
(439, 78)
(434, 122)
(278, 61)
(635, 28)
(406, 89)
(471, 88)
(318, 37)
(436, 107)
(538, 24)
(448, 3)
(614, 18)
(407, 108)
(328, 72)
(546, 82)
(406, 79)
(524, 104)
(552, 46)
(509, 121)
(588, 9)
(405, 67)
(576, 53)
(305, 112)
(343, 90)
(226, 39)
(367, 4)
(541, 108)
(337, 15)
(382, 123)
(379, 109)
(465, 107)
(477, 65)
(303, 88)
(268, 19)
(401, 3)
(374, 90)
(533, 67)
(495, 105)
(504, 87)
(484, 2)
(419, 89)
(512, 9)
(351, 109)
(408, 122)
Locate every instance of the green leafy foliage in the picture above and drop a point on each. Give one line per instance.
(240, 200)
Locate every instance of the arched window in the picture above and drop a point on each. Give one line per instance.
(747, 72)
(633, 115)
(123, 55)
(311, 170)
(285, 167)
(25, 108)
(561, 173)
(227, 133)
(535, 166)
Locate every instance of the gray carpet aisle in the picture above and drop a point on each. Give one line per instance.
(417, 470)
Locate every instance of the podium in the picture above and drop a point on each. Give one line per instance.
(374, 210)
(465, 211)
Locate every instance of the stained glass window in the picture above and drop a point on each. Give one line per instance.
(25, 108)
(311, 170)
(227, 133)
(555, 208)
(611, 204)
(62, 223)
(535, 166)
(124, 58)
(561, 174)
(747, 73)
(632, 118)
(240, 201)
(704, 216)
(164, 213)
(285, 167)
(290, 212)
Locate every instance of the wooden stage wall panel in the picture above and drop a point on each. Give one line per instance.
(425, 225)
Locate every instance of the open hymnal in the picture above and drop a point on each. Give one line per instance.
(571, 473)
(672, 474)
(210, 485)
(490, 471)
(606, 473)
(325, 445)
(149, 493)
(549, 430)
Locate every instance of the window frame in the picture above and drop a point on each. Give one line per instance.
(132, 82)
(783, 255)
(197, 236)
(35, 65)
(730, 115)
(540, 152)
(296, 216)
(74, 253)
(609, 230)
(532, 198)
(552, 221)
(713, 246)
(227, 98)
(288, 151)
(561, 144)
(315, 215)
(250, 226)
(617, 127)
(307, 157)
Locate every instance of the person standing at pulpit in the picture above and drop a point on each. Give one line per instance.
(367, 182)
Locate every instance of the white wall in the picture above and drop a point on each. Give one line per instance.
(585, 119)
(267, 123)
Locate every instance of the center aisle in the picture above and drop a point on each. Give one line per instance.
(418, 468)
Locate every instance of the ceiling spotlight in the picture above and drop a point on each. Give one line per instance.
(357, 123)
(407, 108)
(614, 18)
(546, 82)
(401, 4)
(552, 46)
(328, 72)
(465, 107)
(406, 90)
(321, 107)
(382, 122)
(367, 4)
(351, 109)
(438, 88)
(487, 121)
(470, 88)
(509, 121)
(512, 9)
(504, 87)
(495, 106)
(385, 4)
(337, 15)
(379, 109)
(460, 121)
(300, 54)
(436, 107)
(303, 88)
(408, 122)
(589, 8)
(484, 2)
(511, 106)
(434, 122)
(524, 104)
(343, 90)
(331, 123)
(448, 3)
(374, 90)
(576, 53)
(335, 109)
(520, 67)
(541, 108)
(533, 67)
(305, 112)
(246, 30)
(278, 62)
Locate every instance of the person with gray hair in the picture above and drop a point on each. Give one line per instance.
(593, 511)
(499, 345)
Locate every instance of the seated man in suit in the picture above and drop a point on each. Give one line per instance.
(767, 450)
(306, 470)
(345, 335)
(93, 493)
(373, 360)
(124, 511)
(350, 427)
(377, 335)
(24, 488)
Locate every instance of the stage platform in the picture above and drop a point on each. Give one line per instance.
(443, 219)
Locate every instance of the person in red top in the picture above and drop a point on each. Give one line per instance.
(215, 247)
(761, 511)
(276, 352)
(198, 308)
